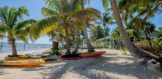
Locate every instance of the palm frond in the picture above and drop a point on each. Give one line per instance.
(49, 12)
(23, 10)
(88, 12)
(105, 3)
(44, 26)
(24, 24)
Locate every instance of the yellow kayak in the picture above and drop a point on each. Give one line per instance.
(23, 63)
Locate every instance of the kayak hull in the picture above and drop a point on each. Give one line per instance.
(85, 55)
(23, 63)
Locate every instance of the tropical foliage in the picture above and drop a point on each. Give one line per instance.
(68, 22)
(13, 27)
(65, 15)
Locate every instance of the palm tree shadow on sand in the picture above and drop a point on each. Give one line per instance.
(102, 68)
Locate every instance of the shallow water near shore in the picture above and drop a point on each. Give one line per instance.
(5, 48)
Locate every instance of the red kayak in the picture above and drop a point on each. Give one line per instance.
(84, 55)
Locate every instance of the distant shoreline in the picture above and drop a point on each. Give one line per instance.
(26, 52)
(21, 47)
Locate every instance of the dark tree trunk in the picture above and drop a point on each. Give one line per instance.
(126, 41)
(13, 46)
(55, 48)
(67, 43)
(89, 45)
(54, 45)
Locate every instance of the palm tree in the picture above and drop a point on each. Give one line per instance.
(11, 26)
(54, 38)
(122, 31)
(88, 42)
(107, 20)
(55, 32)
(59, 15)
(76, 33)
(64, 14)
(83, 23)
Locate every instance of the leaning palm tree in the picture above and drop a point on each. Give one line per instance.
(133, 49)
(11, 26)
(137, 13)
(123, 34)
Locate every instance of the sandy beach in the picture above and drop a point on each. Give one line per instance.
(113, 65)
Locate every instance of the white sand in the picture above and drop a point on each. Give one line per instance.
(114, 65)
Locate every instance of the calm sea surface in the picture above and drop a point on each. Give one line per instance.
(6, 48)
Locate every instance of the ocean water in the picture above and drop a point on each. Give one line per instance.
(6, 48)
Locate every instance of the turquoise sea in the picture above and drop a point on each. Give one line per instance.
(6, 48)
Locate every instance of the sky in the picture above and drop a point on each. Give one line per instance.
(34, 8)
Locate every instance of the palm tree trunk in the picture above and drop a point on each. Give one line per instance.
(13, 46)
(67, 42)
(89, 45)
(77, 44)
(54, 45)
(126, 41)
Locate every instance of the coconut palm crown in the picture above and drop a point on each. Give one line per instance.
(13, 27)
(64, 15)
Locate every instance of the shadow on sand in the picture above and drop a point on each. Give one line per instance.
(100, 68)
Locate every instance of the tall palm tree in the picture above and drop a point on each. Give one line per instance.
(76, 33)
(65, 14)
(88, 42)
(55, 32)
(61, 12)
(54, 38)
(11, 26)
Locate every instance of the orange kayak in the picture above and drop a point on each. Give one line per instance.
(23, 63)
